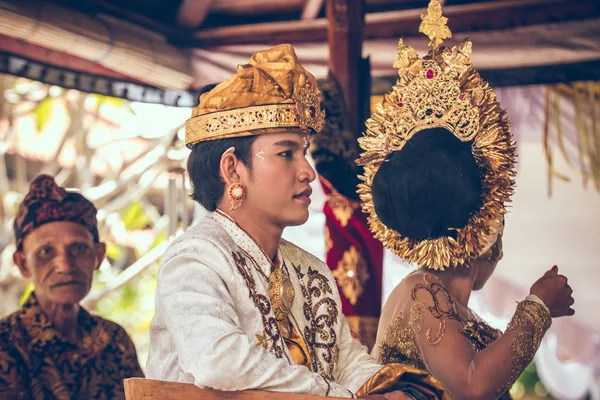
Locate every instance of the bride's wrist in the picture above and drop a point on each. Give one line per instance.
(534, 298)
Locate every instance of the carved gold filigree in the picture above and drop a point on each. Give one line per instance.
(304, 113)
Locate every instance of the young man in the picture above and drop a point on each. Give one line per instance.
(237, 307)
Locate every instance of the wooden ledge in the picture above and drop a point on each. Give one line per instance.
(148, 389)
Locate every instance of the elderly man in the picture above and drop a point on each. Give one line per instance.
(52, 347)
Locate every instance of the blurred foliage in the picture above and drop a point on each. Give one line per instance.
(135, 217)
(26, 292)
(42, 112)
(529, 386)
(132, 305)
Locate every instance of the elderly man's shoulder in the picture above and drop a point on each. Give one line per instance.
(112, 329)
(13, 334)
(8, 329)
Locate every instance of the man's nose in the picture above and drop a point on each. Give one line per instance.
(307, 172)
(64, 262)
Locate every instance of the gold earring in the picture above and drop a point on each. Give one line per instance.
(237, 193)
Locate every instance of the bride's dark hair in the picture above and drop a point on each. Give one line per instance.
(429, 187)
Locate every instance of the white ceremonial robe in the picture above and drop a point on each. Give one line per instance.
(214, 326)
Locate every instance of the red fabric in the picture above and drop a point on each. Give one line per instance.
(355, 233)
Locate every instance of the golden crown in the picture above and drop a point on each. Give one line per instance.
(272, 90)
(441, 90)
(304, 113)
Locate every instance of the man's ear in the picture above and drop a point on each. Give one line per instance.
(100, 253)
(19, 259)
(228, 167)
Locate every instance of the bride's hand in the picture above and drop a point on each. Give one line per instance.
(555, 292)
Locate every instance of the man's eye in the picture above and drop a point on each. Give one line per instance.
(286, 154)
(79, 248)
(45, 251)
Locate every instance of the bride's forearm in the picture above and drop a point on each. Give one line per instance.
(494, 370)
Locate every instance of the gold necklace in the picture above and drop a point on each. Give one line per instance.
(281, 291)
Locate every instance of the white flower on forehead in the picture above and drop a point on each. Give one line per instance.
(260, 154)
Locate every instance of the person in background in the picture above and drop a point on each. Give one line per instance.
(52, 347)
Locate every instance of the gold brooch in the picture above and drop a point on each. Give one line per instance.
(281, 293)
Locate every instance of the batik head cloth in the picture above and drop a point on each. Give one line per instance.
(47, 202)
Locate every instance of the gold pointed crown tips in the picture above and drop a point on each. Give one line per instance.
(440, 89)
(434, 24)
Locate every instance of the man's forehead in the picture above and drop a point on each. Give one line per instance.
(284, 139)
(59, 232)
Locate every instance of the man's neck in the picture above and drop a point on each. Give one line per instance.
(64, 317)
(267, 236)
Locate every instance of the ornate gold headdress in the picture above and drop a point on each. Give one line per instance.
(441, 90)
(272, 91)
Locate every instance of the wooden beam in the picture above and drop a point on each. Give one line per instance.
(192, 13)
(492, 15)
(257, 7)
(314, 30)
(311, 9)
(346, 19)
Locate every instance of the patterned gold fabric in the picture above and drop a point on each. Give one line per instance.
(36, 362)
(271, 91)
(429, 331)
(399, 344)
(297, 347)
(406, 378)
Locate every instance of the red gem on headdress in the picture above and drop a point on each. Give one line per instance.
(462, 97)
(400, 104)
(429, 74)
(312, 112)
(309, 84)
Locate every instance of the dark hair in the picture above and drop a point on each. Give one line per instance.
(204, 162)
(203, 167)
(432, 185)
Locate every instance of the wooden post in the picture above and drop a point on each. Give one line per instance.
(345, 33)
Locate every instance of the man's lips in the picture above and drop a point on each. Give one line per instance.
(304, 194)
(67, 283)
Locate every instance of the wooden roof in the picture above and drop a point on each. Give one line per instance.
(204, 23)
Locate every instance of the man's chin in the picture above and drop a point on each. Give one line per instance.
(299, 218)
(65, 296)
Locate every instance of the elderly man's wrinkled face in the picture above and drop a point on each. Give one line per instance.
(60, 259)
